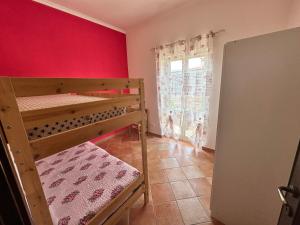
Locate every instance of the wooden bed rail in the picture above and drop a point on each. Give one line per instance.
(36, 118)
(47, 86)
(46, 146)
(105, 212)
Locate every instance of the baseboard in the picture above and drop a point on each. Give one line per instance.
(203, 147)
(155, 135)
(149, 133)
(217, 222)
(208, 149)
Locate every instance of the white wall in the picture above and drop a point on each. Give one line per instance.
(240, 19)
(294, 14)
(258, 128)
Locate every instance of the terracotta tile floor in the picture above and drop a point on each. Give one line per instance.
(180, 180)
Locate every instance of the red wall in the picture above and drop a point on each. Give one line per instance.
(36, 40)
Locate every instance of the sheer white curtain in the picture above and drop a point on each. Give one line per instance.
(184, 80)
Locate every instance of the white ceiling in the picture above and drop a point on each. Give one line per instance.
(118, 13)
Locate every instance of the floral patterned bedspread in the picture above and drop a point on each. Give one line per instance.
(81, 180)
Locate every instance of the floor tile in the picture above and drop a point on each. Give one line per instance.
(168, 153)
(158, 176)
(184, 160)
(192, 211)
(188, 150)
(153, 155)
(169, 163)
(207, 169)
(200, 158)
(126, 158)
(205, 202)
(201, 186)
(176, 171)
(138, 164)
(140, 202)
(142, 216)
(162, 193)
(209, 180)
(119, 148)
(168, 214)
(210, 155)
(136, 155)
(175, 174)
(154, 165)
(160, 146)
(182, 189)
(192, 172)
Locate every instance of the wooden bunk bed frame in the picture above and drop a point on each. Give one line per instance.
(24, 152)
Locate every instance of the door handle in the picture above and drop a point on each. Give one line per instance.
(281, 195)
(282, 190)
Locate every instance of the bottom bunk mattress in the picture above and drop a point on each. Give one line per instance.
(80, 181)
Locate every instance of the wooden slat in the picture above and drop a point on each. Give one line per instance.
(40, 117)
(144, 140)
(46, 146)
(117, 216)
(106, 95)
(45, 86)
(20, 149)
(106, 211)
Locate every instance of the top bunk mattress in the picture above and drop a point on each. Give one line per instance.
(82, 180)
(50, 101)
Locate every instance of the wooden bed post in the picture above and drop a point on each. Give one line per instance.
(22, 153)
(144, 141)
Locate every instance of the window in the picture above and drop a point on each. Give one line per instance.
(184, 83)
(195, 63)
(176, 66)
(176, 84)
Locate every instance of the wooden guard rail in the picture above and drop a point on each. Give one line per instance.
(46, 146)
(36, 118)
(48, 86)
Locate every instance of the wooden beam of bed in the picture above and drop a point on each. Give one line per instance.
(46, 146)
(40, 117)
(115, 218)
(144, 140)
(47, 86)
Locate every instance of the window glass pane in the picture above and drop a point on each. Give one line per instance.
(176, 65)
(195, 63)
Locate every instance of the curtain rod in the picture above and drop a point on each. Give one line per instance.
(212, 33)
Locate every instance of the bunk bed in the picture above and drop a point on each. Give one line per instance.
(48, 123)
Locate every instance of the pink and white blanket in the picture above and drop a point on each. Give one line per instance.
(79, 181)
